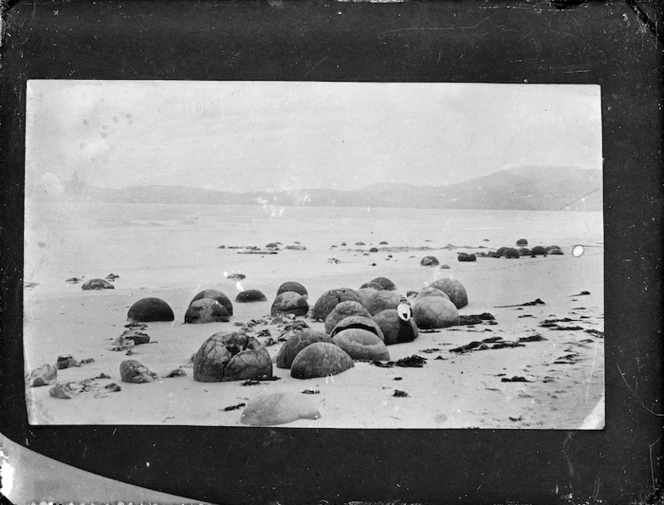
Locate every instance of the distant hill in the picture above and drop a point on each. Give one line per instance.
(521, 188)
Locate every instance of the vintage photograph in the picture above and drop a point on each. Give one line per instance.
(314, 254)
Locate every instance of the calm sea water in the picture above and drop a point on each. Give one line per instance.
(94, 239)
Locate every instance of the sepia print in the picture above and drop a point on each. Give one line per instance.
(327, 255)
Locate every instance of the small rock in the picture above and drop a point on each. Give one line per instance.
(113, 387)
(42, 376)
(400, 394)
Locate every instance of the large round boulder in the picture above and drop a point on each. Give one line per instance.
(396, 330)
(365, 294)
(292, 286)
(524, 251)
(206, 310)
(215, 294)
(328, 300)
(538, 250)
(499, 252)
(360, 322)
(290, 302)
(150, 309)
(385, 283)
(511, 253)
(362, 345)
(231, 356)
(454, 289)
(95, 284)
(320, 360)
(431, 291)
(429, 261)
(342, 311)
(435, 312)
(382, 300)
(522, 242)
(250, 296)
(370, 285)
(296, 343)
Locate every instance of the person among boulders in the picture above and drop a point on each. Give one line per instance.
(404, 310)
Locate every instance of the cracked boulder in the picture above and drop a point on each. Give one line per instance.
(231, 356)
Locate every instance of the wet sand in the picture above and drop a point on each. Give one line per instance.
(552, 382)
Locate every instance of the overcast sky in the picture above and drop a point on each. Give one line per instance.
(242, 136)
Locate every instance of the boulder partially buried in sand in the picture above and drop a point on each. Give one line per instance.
(435, 312)
(465, 257)
(454, 289)
(538, 250)
(382, 300)
(292, 286)
(42, 376)
(206, 310)
(290, 302)
(396, 330)
(96, 284)
(429, 261)
(250, 296)
(215, 294)
(231, 356)
(134, 371)
(554, 250)
(328, 300)
(278, 408)
(296, 343)
(342, 311)
(511, 253)
(385, 283)
(362, 345)
(320, 360)
(522, 242)
(150, 309)
(359, 322)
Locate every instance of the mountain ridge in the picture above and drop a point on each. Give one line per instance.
(518, 188)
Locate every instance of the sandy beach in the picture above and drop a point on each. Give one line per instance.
(553, 380)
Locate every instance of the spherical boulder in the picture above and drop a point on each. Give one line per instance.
(206, 310)
(435, 312)
(290, 302)
(250, 296)
(215, 294)
(511, 253)
(362, 345)
(150, 309)
(320, 360)
(364, 294)
(396, 330)
(431, 291)
(231, 356)
(342, 311)
(524, 251)
(292, 286)
(538, 250)
(360, 322)
(96, 284)
(296, 343)
(382, 300)
(328, 300)
(522, 242)
(499, 252)
(429, 261)
(385, 283)
(554, 250)
(454, 290)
